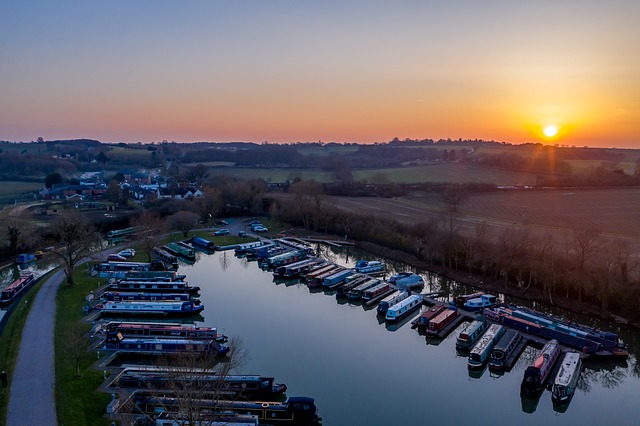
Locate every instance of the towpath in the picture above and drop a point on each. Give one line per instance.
(32, 399)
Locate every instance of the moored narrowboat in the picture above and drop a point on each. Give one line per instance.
(423, 320)
(406, 280)
(17, 287)
(503, 349)
(443, 319)
(566, 381)
(165, 308)
(369, 267)
(356, 292)
(481, 351)
(479, 303)
(403, 307)
(155, 346)
(535, 376)
(391, 300)
(376, 291)
(154, 286)
(164, 330)
(471, 333)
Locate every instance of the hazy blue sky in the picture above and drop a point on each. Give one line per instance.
(363, 71)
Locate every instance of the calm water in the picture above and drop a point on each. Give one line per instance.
(11, 273)
(362, 372)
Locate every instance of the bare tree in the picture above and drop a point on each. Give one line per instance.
(150, 229)
(183, 221)
(77, 345)
(77, 240)
(453, 197)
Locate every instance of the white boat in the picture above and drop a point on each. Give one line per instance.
(406, 280)
(369, 266)
(479, 303)
(402, 308)
(566, 380)
(391, 300)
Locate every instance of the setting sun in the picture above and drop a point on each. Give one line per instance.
(550, 131)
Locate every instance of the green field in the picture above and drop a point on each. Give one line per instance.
(10, 191)
(273, 175)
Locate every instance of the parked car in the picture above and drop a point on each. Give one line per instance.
(255, 222)
(221, 232)
(260, 229)
(116, 258)
(127, 252)
(222, 222)
(242, 234)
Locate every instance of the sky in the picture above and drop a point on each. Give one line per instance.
(331, 71)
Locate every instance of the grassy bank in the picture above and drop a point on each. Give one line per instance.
(10, 342)
(77, 400)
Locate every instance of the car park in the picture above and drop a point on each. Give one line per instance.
(221, 232)
(127, 252)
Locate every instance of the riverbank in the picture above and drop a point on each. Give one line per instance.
(493, 286)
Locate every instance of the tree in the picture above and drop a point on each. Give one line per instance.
(77, 240)
(13, 233)
(150, 229)
(52, 179)
(183, 221)
(453, 197)
(77, 345)
(102, 158)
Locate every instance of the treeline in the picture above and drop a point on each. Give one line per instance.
(576, 265)
(33, 165)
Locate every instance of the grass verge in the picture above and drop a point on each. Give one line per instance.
(78, 402)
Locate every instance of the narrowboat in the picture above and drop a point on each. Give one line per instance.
(318, 278)
(504, 348)
(283, 259)
(481, 351)
(118, 296)
(222, 419)
(294, 245)
(564, 385)
(119, 233)
(459, 301)
(25, 258)
(176, 249)
(471, 333)
(154, 286)
(350, 284)
(165, 256)
(585, 339)
(403, 307)
(206, 380)
(251, 249)
(164, 329)
(376, 291)
(423, 320)
(391, 300)
(536, 375)
(356, 292)
(153, 276)
(479, 303)
(317, 270)
(121, 269)
(297, 268)
(443, 319)
(336, 278)
(294, 411)
(264, 253)
(369, 267)
(155, 346)
(203, 243)
(150, 308)
(406, 280)
(13, 290)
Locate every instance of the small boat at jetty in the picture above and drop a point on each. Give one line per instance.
(156, 346)
(163, 255)
(13, 290)
(203, 243)
(406, 280)
(376, 291)
(153, 276)
(336, 278)
(443, 319)
(121, 269)
(182, 250)
(369, 267)
(535, 376)
(564, 385)
(403, 307)
(479, 303)
(253, 247)
(481, 351)
(459, 301)
(423, 320)
(504, 348)
(471, 333)
(316, 278)
(356, 292)
(285, 258)
(391, 300)
(164, 329)
(296, 269)
(150, 308)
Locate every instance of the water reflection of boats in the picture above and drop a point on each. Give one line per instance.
(476, 373)
(530, 402)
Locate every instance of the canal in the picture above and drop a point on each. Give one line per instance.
(362, 371)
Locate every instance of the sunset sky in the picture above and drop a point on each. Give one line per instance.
(343, 71)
